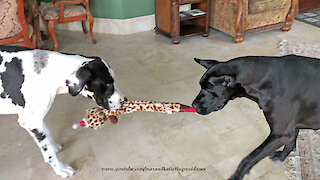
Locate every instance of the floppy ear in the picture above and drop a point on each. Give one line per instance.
(227, 81)
(206, 63)
(82, 77)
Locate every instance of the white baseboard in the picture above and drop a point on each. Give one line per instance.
(114, 26)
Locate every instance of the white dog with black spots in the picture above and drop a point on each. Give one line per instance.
(30, 80)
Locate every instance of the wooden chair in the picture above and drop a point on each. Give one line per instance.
(241, 17)
(59, 12)
(14, 30)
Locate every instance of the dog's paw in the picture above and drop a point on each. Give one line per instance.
(234, 177)
(64, 170)
(57, 148)
(277, 156)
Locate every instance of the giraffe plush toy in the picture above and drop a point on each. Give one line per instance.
(96, 116)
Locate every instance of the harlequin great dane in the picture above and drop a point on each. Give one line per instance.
(30, 80)
(285, 88)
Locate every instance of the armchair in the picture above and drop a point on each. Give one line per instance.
(14, 30)
(59, 12)
(242, 17)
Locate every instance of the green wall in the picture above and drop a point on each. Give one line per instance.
(119, 9)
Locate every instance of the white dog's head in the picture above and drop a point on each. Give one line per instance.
(95, 80)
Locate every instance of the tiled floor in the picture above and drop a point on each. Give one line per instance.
(311, 17)
(149, 67)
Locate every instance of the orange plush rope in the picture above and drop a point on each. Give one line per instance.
(95, 117)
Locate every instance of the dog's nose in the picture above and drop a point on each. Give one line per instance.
(194, 105)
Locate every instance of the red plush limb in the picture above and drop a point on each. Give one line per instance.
(191, 109)
(82, 123)
(113, 119)
(185, 108)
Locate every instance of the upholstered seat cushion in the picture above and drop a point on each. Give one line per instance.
(50, 11)
(30, 32)
(260, 6)
(9, 22)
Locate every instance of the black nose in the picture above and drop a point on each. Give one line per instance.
(194, 105)
(125, 99)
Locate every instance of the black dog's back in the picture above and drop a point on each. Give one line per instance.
(289, 84)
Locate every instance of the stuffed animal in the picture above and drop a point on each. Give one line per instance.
(96, 116)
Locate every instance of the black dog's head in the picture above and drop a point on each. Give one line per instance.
(216, 90)
(95, 79)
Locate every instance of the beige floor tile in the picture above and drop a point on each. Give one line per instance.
(209, 173)
(196, 148)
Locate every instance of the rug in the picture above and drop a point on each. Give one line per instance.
(304, 163)
(310, 17)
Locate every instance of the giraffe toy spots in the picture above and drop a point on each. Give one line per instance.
(96, 116)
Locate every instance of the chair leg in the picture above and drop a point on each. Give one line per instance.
(34, 40)
(90, 19)
(45, 23)
(53, 35)
(36, 29)
(291, 15)
(84, 27)
(238, 39)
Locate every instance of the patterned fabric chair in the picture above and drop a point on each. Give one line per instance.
(14, 30)
(241, 17)
(58, 12)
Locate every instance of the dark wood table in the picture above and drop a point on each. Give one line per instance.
(308, 4)
(170, 23)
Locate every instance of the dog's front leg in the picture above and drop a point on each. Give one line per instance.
(282, 155)
(57, 147)
(37, 130)
(271, 144)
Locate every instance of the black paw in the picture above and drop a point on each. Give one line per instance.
(236, 177)
(277, 156)
(233, 178)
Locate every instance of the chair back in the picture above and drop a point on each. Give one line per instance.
(13, 26)
(9, 20)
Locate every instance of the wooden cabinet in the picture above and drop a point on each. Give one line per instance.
(169, 22)
(308, 4)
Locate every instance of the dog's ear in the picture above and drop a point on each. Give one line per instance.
(76, 84)
(206, 63)
(227, 81)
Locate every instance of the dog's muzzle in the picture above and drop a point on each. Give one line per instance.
(195, 105)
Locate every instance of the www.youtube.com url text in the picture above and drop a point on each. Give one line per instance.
(143, 169)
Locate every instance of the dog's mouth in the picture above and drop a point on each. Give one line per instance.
(201, 111)
(218, 108)
(206, 111)
(113, 119)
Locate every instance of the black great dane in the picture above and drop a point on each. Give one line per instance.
(286, 88)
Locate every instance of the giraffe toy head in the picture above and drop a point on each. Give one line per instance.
(95, 118)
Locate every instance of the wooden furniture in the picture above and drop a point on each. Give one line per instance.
(169, 23)
(31, 11)
(308, 4)
(64, 12)
(14, 30)
(242, 17)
